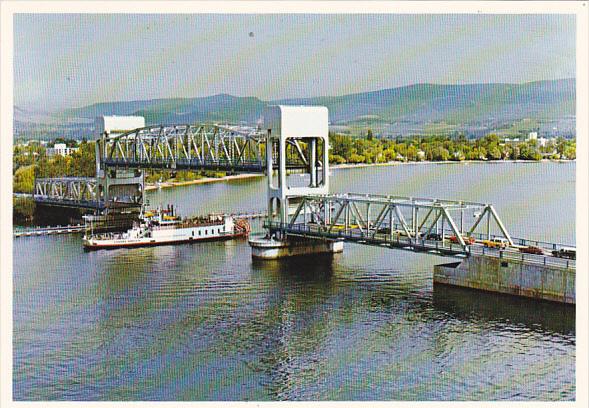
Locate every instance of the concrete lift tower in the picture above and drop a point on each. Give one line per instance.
(304, 131)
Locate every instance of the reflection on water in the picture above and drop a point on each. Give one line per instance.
(206, 322)
(467, 304)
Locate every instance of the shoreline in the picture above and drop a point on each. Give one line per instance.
(204, 180)
(399, 163)
(245, 176)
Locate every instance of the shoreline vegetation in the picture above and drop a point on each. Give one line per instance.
(395, 163)
(32, 160)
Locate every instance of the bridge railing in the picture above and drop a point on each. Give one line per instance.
(523, 257)
(251, 166)
(479, 236)
(416, 244)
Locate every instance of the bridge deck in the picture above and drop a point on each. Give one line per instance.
(197, 164)
(84, 204)
(399, 241)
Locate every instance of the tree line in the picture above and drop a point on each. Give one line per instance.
(368, 149)
(30, 162)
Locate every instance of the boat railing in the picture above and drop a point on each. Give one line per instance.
(109, 235)
(186, 224)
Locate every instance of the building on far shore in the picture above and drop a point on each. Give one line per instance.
(60, 149)
(542, 141)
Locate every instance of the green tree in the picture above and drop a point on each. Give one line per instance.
(23, 210)
(570, 152)
(493, 152)
(529, 151)
(83, 161)
(411, 153)
(24, 179)
(356, 158)
(336, 159)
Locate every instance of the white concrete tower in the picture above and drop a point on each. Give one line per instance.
(286, 126)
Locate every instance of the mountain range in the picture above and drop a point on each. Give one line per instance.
(455, 105)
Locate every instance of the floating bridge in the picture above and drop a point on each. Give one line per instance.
(303, 216)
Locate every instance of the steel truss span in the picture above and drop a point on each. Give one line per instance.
(75, 192)
(408, 222)
(66, 189)
(185, 147)
(228, 148)
(190, 147)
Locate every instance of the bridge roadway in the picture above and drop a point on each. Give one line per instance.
(439, 247)
(249, 166)
(83, 204)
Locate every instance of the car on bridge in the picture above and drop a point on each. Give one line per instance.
(500, 243)
(433, 236)
(531, 250)
(384, 230)
(467, 240)
(565, 252)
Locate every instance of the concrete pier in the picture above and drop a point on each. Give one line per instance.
(516, 277)
(265, 248)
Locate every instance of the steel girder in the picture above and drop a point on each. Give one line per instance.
(380, 217)
(66, 189)
(192, 147)
(198, 146)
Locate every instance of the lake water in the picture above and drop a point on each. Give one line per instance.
(206, 322)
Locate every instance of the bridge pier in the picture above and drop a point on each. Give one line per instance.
(270, 248)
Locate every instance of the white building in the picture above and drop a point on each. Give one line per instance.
(533, 136)
(60, 149)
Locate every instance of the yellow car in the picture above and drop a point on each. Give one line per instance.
(496, 243)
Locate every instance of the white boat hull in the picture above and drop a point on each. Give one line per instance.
(165, 235)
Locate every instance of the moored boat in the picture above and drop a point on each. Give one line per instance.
(164, 227)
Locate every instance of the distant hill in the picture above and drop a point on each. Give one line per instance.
(544, 100)
(222, 107)
(416, 104)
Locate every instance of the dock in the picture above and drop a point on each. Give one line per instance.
(42, 231)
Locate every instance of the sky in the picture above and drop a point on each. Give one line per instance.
(71, 60)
